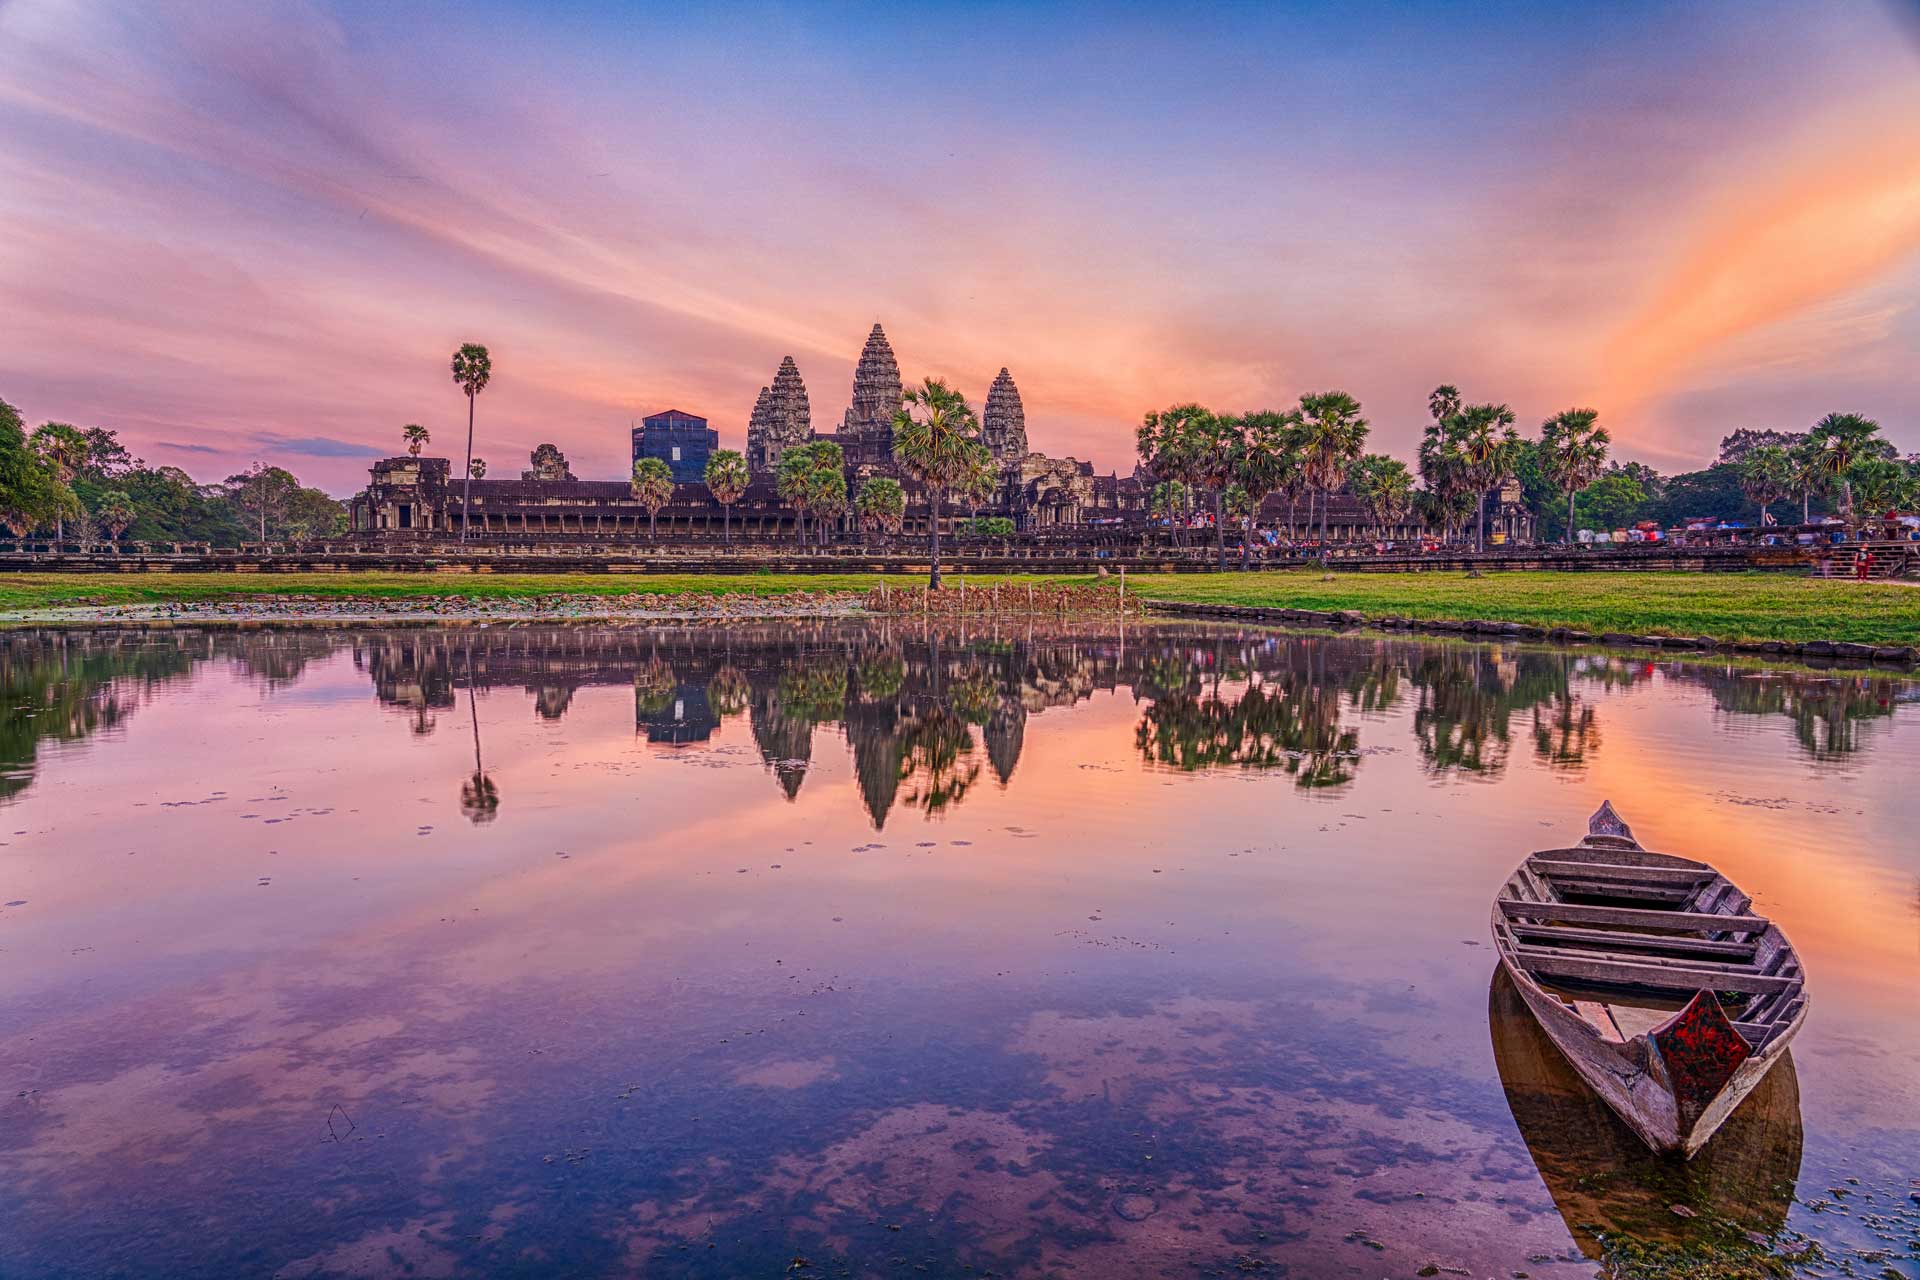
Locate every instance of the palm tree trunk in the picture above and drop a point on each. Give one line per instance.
(726, 521)
(1219, 532)
(1480, 523)
(1571, 491)
(1806, 506)
(933, 506)
(653, 526)
(466, 480)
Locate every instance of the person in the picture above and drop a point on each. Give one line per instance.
(1862, 565)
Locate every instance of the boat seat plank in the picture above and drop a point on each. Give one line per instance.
(1669, 876)
(1649, 893)
(1604, 939)
(1632, 917)
(1661, 962)
(1658, 977)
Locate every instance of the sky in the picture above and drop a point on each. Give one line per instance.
(257, 231)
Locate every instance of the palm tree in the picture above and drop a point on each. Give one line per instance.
(64, 449)
(1265, 458)
(1170, 443)
(978, 481)
(1838, 441)
(1332, 435)
(1489, 447)
(1766, 476)
(727, 479)
(652, 488)
(935, 446)
(790, 480)
(115, 512)
(1383, 486)
(1216, 451)
(1880, 485)
(1576, 453)
(416, 436)
(827, 487)
(1441, 465)
(472, 369)
(1168, 499)
(1808, 478)
(881, 504)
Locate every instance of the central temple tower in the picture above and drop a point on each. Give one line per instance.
(1003, 423)
(876, 397)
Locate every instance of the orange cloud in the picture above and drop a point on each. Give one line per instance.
(1828, 223)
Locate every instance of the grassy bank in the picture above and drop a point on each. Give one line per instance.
(1755, 606)
(51, 590)
(1724, 606)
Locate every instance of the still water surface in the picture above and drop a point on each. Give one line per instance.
(834, 950)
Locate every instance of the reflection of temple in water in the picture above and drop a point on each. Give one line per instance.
(929, 715)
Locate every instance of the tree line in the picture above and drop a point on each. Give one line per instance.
(82, 483)
(1232, 463)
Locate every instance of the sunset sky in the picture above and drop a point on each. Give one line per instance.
(257, 230)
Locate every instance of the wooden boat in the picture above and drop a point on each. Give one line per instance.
(1607, 1184)
(1653, 977)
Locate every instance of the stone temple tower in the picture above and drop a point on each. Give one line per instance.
(781, 419)
(876, 396)
(1003, 423)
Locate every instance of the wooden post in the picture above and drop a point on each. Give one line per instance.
(1123, 591)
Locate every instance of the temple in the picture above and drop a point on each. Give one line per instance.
(1037, 491)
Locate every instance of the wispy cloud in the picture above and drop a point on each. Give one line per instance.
(262, 225)
(315, 446)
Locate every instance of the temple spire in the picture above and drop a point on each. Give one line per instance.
(1003, 421)
(877, 392)
(781, 419)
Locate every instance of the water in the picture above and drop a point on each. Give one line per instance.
(825, 950)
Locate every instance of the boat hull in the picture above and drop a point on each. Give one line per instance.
(1628, 1079)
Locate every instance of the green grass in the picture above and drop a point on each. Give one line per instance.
(1724, 606)
(1742, 606)
(46, 590)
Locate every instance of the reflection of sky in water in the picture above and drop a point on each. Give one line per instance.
(1145, 957)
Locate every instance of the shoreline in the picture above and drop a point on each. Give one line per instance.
(272, 613)
(1766, 615)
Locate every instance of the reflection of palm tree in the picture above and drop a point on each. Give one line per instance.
(728, 691)
(1828, 713)
(653, 685)
(1290, 721)
(937, 764)
(1564, 740)
(479, 798)
(1462, 719)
